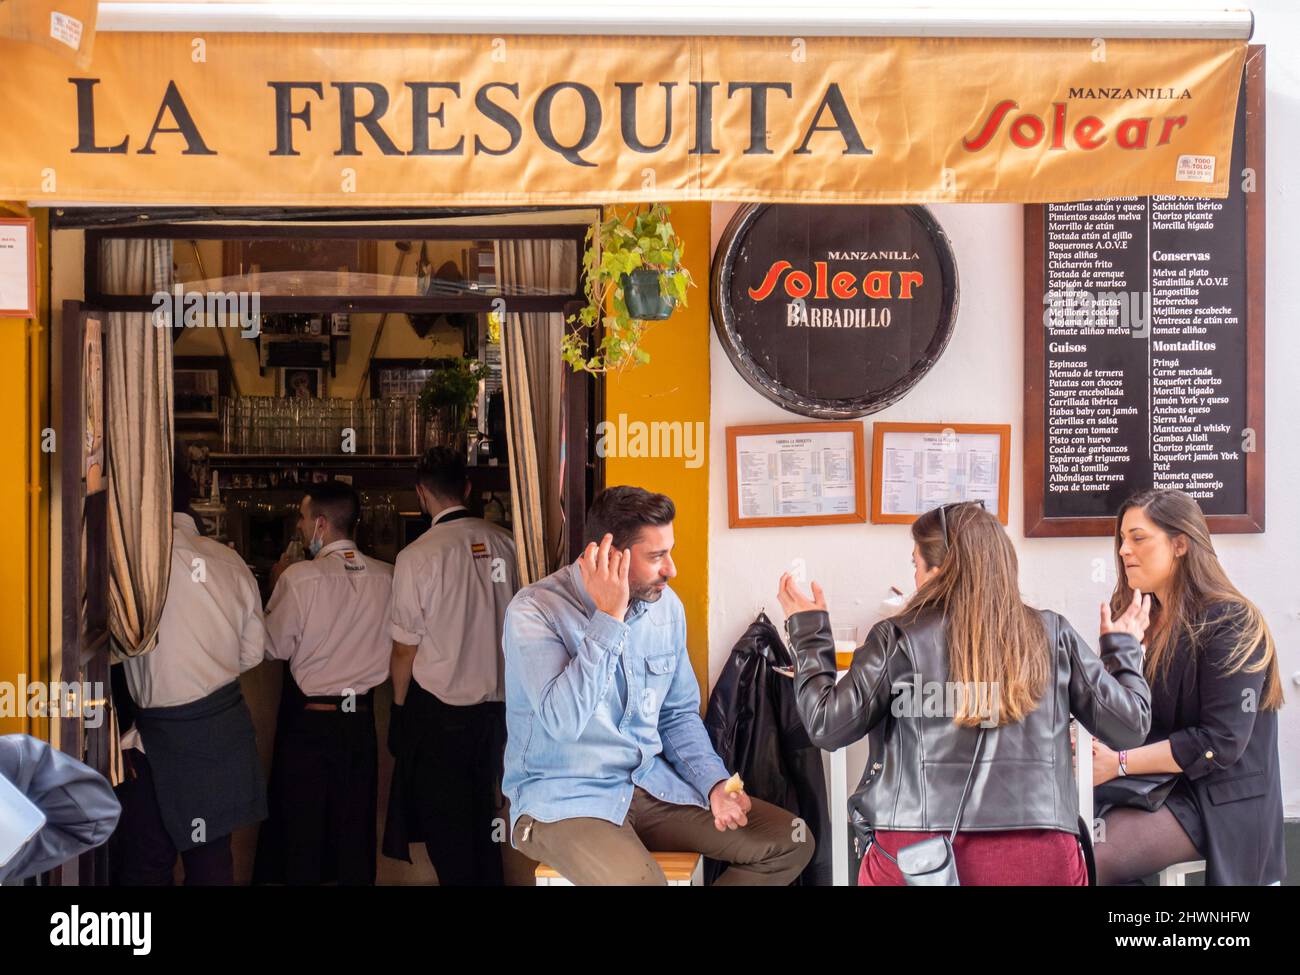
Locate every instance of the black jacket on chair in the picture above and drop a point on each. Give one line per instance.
(1228, 749)
(754, 725)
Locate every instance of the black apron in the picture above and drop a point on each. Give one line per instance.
(324, 774)
(205, 766)
(446, 788)
(400, 820)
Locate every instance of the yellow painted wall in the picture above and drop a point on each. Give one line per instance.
(24, 648)
(674, 387)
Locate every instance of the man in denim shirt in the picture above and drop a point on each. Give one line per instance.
(606, 755)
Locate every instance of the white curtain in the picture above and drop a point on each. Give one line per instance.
(533, 378)
(138, 419)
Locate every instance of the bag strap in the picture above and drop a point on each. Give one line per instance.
(961, 805)
(970, 777)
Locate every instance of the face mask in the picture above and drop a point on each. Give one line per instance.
(316, 543)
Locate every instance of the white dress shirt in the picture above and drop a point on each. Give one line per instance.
(451, 587)
(211, 629)
(329, 619)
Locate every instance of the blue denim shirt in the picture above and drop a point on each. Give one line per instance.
(595, 706)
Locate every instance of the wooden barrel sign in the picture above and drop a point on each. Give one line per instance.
(833, 311)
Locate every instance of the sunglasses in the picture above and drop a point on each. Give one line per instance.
(943, 517)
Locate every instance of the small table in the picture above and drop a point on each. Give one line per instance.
(839, 797)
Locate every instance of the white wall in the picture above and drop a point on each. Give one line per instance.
(980, 379)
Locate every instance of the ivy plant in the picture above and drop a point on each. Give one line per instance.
(642, 238)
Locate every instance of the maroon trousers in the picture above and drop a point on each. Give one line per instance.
(1002, 858)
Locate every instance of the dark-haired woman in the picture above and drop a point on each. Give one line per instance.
(1215, 693)
(1015, 675)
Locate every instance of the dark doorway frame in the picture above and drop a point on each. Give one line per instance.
(582, 396)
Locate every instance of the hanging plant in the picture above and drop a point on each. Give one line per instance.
(634, 275)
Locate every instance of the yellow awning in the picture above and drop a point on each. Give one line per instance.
(382, 119)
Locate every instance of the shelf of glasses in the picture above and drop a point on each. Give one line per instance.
(291, 460)
(387, 470)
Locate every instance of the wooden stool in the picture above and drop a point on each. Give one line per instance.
(1175, 875)
(681, 869)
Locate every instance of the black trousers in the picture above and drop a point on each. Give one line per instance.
(457, 754)
(323, 791)
(142, 853)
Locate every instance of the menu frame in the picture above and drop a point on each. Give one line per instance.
(882, 430)
(859, 513)
(29, 260)
(1037, 523)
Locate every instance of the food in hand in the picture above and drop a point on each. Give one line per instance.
(734, 785)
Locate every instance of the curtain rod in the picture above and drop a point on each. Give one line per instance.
(700, 19)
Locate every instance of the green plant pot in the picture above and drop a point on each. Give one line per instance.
(642, 297)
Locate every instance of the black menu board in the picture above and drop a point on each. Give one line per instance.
(1144, 348)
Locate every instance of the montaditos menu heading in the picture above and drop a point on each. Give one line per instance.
(386, 119)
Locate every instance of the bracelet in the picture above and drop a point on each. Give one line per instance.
(1123, 761)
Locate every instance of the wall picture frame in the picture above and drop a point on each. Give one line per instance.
(919, 466)
(796, 474)
(17, 267)
(199, 384)
(197, 393)
(300, 382)
(390, 378)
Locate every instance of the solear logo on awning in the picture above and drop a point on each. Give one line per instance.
(108, 929)
(659, 438)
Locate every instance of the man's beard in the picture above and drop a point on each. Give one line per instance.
(648, 593)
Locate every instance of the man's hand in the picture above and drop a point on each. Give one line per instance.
(793, 601)
(277, 570)
(1105, 763)
(728, 808)
(604, 574)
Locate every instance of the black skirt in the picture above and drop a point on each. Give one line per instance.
(1182, 804)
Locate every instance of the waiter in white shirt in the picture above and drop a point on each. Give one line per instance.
(451, 587)
(193, 775)
(329, 619)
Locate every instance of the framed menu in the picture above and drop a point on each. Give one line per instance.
(795, 474)
(1144, 348)
(919, 466)
(17, 267)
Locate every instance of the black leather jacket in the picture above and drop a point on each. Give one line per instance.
(919, 763)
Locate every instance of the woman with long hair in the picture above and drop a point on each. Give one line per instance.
(1215, 693)
(970, 691)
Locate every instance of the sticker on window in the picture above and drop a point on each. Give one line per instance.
(65, 29)
(1195, 169)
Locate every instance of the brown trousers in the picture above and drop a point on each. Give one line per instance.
(770, 850)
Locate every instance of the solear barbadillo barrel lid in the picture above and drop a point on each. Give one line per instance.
(833, 311)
